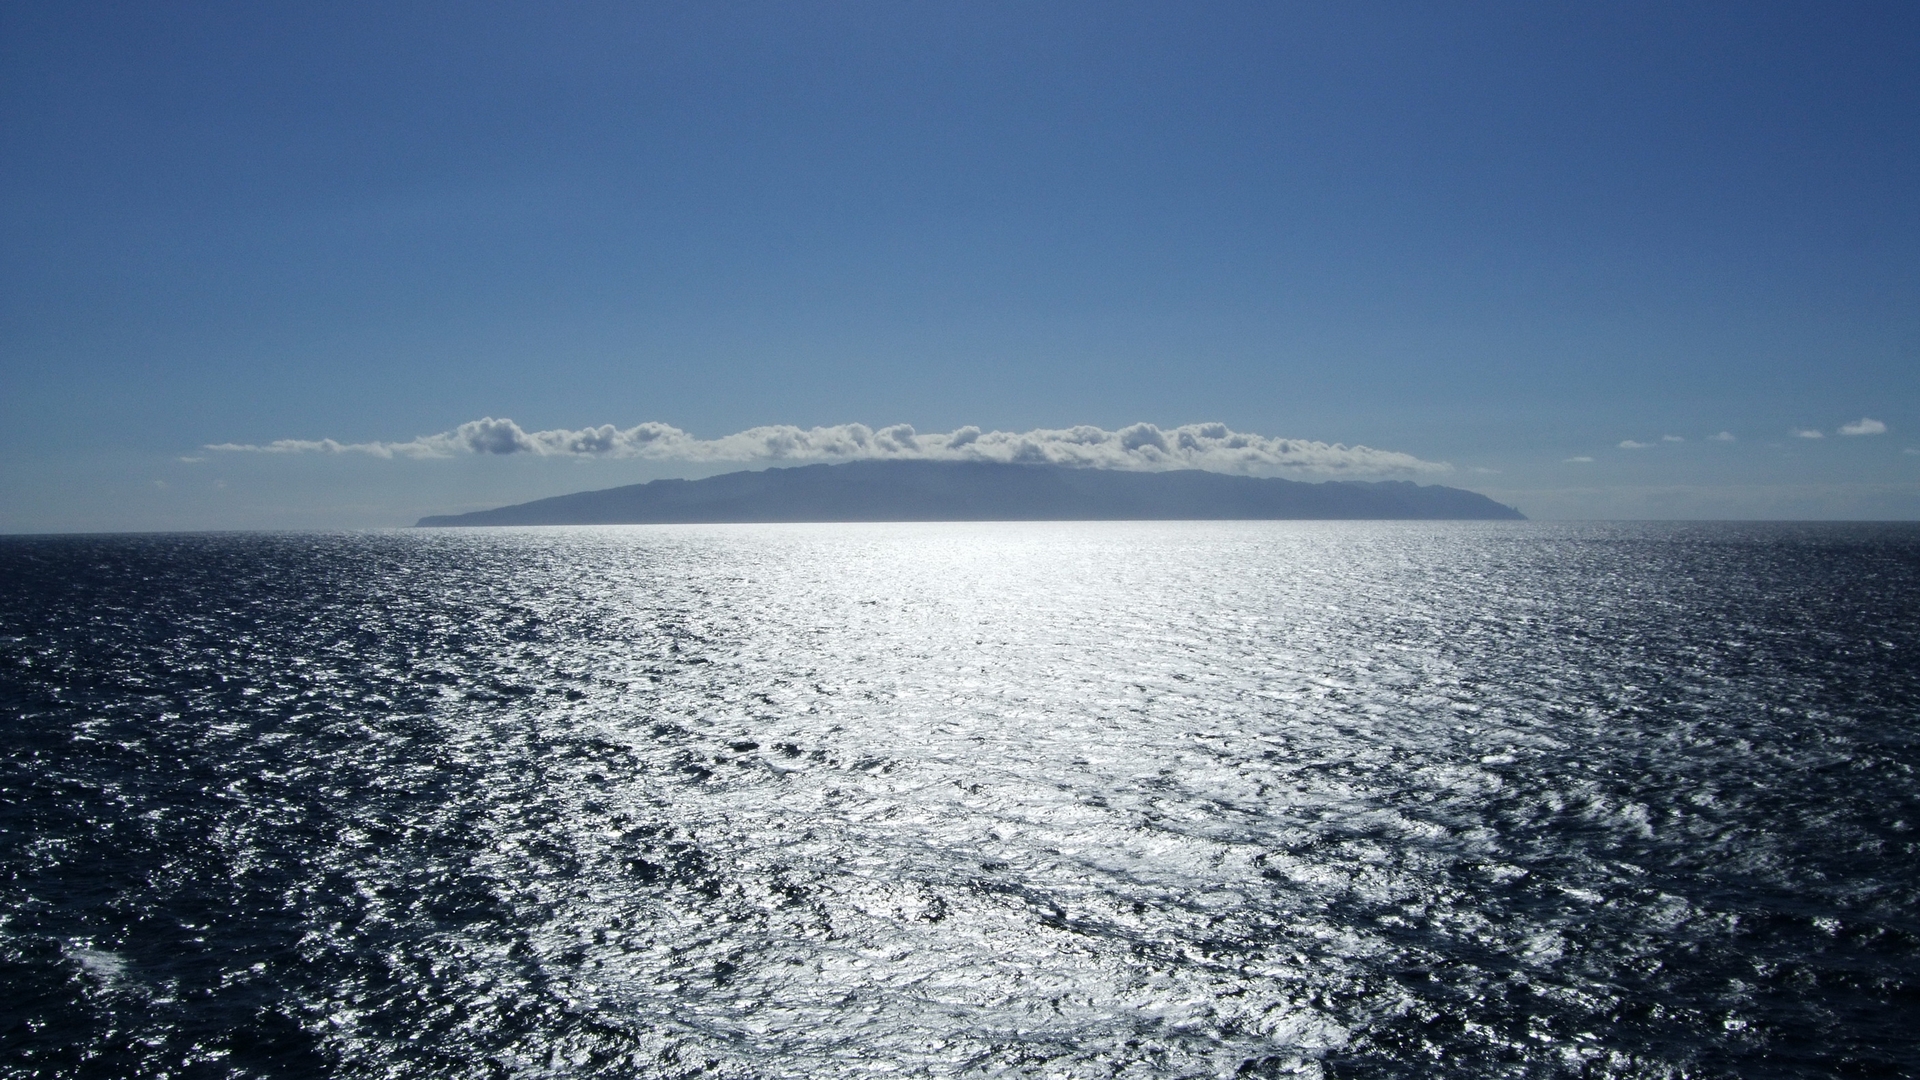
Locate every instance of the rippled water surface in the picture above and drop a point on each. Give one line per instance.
(1085, 800)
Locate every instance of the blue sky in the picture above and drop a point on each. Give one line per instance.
(1498, 238)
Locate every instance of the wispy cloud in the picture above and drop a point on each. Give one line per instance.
(1672, 438)
(1864, 426)
(1808, 433)
(1629, 444)
(1140, 446)
(1581, 460)
(1725, 436)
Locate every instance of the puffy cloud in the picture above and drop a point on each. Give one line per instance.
(1725, 436)
(1808, 433)
(1629, 444)
(1139, 446)
(1864, 426)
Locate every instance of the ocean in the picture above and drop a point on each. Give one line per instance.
(1172, 799)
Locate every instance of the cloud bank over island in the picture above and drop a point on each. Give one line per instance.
(1213, 447)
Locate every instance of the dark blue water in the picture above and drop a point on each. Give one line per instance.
(1116, 800)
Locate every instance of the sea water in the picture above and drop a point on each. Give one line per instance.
(1019, 800)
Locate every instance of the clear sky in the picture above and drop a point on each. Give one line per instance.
(1513, 240)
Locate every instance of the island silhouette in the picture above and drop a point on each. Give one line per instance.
(986, 491)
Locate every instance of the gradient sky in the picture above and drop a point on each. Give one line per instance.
(1506, 237)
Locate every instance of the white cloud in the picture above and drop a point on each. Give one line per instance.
(1578, 460)
(1808, 433)
(1671, 438)
(1725, 436)
(1629, 444)
(1864, 426)
(1140, 446)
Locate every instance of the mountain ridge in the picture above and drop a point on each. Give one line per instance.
(985, 491)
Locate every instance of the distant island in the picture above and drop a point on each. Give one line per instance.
(986, 491)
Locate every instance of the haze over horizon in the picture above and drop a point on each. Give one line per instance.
(273, 268)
